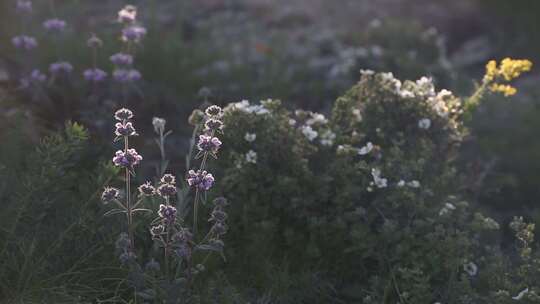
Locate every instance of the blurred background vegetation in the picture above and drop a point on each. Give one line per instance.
(305, 53)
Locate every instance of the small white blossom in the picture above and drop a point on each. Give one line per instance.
(424, 123)
(251, 157)
(246, 107)
(414, 184)
(309, 133)
(292, 122)
(327, 138)
(367, 72)
(448, 207)
(471, 269)
(127, 14)
(425, 86)
(159, 124)
(357, 115)
(316, 118)
(366, 149)
(250, 137)
(406, 94)
(377, 179)
(401, 183)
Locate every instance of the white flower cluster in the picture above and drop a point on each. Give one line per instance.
(327, 138)
(316, 119)
(309, 133)
(251, 157)
(246, 107)
(439, 102)
(448, 207)
(424, 123)
(470, 268)
(378, 181)
(412, 184)
(250, 137)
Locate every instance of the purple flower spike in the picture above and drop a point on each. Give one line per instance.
(61, 67)
(54, 25)
(24, 6)
(127, 160)
(94, 75)
(167, 213)
(126, 76)
(134, 33)
(125, 129)
(24, 42)
(208, 144)
(37, 76)
(123, 114)
(121, 59)
(201, 180)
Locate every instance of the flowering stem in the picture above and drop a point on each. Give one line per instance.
(128, 198)
(195, 211)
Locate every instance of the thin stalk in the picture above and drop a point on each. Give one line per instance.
(197, 195)
(128, 198)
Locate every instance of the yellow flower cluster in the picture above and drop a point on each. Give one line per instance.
(507, 70)
(505, 89)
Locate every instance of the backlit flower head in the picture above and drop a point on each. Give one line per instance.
(147, 189)
(133, 33)
(168, 179)
(213, 125)
(24, 42)
(126, 75)
(121, 59)
(123, 114)
(94, 75)
(167, 213)
(125, 128)
(157, 230)
(166, 190)
(214, 111)
(208, 144)
(159, 124)
(54, 25)
(201, 180)
(127, 160)
(128, 14)
(109, 194)
(61, 67)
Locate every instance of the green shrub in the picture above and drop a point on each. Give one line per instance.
(368, 197)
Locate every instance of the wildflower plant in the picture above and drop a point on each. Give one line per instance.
(171, 273)
(497, 78)
(373, 187)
